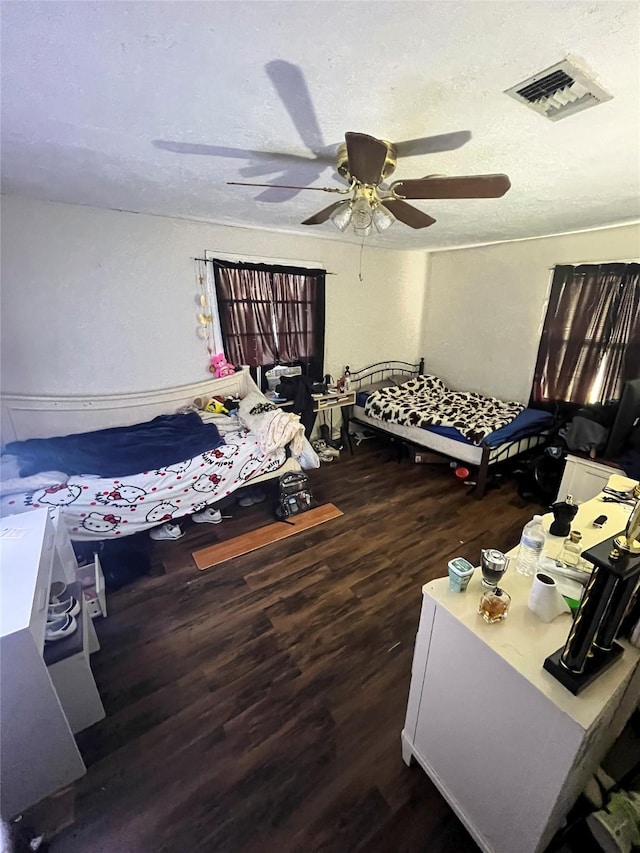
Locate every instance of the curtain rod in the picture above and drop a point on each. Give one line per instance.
(261, 263)
(595, 263)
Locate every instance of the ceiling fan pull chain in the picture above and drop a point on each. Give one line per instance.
(361, 253)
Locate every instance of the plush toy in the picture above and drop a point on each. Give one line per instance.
(216, 407)
(220, 367)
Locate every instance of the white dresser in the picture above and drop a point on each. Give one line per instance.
(584, 478)
(37, 747)
(507, 745)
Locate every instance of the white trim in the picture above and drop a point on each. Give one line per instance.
(538, 237)
(28, 416)
(211, 254)
(215, 331)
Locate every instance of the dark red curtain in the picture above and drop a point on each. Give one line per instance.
(590, 342)
(272, 313)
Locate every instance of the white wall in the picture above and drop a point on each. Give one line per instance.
(102, 301)
(485, 306)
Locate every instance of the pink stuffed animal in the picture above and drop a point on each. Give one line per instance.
(220, 367)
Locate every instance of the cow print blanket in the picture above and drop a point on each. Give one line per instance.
(426, 401)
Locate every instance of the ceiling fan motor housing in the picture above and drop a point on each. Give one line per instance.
(342, 161)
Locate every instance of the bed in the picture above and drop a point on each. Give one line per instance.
(383, 406)
(186, 463)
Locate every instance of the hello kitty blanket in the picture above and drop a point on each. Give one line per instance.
(110, 507)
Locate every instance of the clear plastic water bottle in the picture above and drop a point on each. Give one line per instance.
(347, 379)
(531, 545)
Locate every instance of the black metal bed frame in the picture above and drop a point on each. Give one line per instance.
(490, 455)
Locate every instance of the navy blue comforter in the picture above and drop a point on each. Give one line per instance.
(119, 451)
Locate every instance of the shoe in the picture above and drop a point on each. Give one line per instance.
(70, 607)
(254, 497)
(323, 447)
(166, 531)
(209, 515)
(58, 592)
(59, 629)
(326, 457)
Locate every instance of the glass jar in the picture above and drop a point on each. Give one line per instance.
(494, 605)
(571, 553)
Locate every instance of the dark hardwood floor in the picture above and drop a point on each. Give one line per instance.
(257, 706)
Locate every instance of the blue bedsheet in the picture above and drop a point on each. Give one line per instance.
(119, 451)
(528, 422)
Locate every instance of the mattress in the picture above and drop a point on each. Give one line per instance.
(527, 422)
(110, 507)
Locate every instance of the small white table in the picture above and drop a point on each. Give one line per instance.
(507, 745)
(343, 401)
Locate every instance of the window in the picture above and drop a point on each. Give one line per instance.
(590, 342)
(271, 313)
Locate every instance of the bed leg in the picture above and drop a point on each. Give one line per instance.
(480, 488)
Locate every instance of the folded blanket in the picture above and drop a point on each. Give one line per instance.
(119, 451)
(274, 428)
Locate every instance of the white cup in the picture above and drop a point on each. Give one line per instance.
(545, 599)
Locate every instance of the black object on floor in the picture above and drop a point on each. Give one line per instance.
(123, 560)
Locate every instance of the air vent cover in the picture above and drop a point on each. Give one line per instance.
(559, 91)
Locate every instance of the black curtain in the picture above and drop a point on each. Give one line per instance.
(591, 331)
(272, 313)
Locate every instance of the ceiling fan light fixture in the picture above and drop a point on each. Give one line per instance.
(341, 217)
(382, 218)
(362, 215)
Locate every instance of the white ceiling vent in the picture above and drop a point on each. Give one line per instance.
(559, 91)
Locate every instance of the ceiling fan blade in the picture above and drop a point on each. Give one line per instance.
(322, 215)
(473, 186)
(366, 156)
(408, 214)
(294, 177)
(432, 144)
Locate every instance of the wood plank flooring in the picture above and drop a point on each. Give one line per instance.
(258, 706)
(220, 552)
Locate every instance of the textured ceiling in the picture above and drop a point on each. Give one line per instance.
(154, 106)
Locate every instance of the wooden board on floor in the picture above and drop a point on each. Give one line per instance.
(223, 551)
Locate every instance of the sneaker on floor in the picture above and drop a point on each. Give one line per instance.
(331, 451)
(323, 447)
(59, 629)
(254, 497)
(326, 457)
(166, 531)
(70, 607)
(209, 515)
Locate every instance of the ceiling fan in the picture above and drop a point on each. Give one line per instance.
(365, 163)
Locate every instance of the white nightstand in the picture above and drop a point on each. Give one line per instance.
(584, 478)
